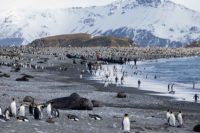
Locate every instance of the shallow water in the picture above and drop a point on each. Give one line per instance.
(182, 72)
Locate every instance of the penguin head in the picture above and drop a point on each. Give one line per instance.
(125, 115)
(171, 112)
(168, 110)
(13, 99)
(180, 112)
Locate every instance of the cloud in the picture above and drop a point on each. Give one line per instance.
(15, 4)
(192, 4)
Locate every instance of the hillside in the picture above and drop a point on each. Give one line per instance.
(81, 40)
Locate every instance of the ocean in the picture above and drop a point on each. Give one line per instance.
(156, 75)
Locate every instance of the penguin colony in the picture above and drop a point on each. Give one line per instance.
(36, 110)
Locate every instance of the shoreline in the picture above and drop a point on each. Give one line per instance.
(154, 86)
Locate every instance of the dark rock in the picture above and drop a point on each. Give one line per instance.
(27, 76)
(196, 128)
(74, 101)
(28, 99)
(96, 103)
(22, 79)
(4, 94)
(121, 95)
(17, 69)
(50, 121)
(5, 75)
(40, 62)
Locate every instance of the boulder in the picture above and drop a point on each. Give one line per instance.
(24, 78)
(121, 95)
(27, 76)
(28, 99)
(5, 75)
(74, 101)
(196, 128)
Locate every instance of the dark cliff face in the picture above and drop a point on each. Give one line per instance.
(81, 40)
(154, 3)
(193, 44)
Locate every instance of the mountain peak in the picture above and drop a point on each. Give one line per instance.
(134, 3)
(150, 2)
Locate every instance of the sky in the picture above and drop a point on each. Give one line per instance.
(15, 4)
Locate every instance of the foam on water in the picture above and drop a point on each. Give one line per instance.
(182, 72)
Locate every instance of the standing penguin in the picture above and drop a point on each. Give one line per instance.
(172, 119)
(49, 110)
(6, 117)
(22, 110)
(167, 116)
(126, 124)
(13, 107)
(180, 119)
(81, 76)
(0, 111)
(31, 109)
(36, 113)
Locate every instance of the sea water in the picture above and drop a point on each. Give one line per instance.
(155, 75)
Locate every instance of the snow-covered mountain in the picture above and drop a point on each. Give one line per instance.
(147, 22)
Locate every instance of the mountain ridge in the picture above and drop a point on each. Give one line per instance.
(146, 22)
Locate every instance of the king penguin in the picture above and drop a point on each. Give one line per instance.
(22, 119)
(31, 108)
(6, 117)
(95, 117)
(1, 111)
(180, 119)
(126, 124)
(22, 110)
(72, 117)
(36, 113)
(167, 116)
(13, 107)
(49, 110)
(172, 119)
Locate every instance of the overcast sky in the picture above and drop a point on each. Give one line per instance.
(15, 4)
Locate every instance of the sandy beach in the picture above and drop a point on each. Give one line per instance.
(146, 112)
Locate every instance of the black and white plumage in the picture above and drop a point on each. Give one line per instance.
(3, 118)
(172, 119)
(167, 116)
(22, 110)
(72, 117)
(22, 119)
(6, 117)
(49, 110)
(95, 117)
(37, 113)
(1, 111)
(13, 107)
(40, 107)
(55, 113)
(180, 119)
(126, 124)
(31, 108)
